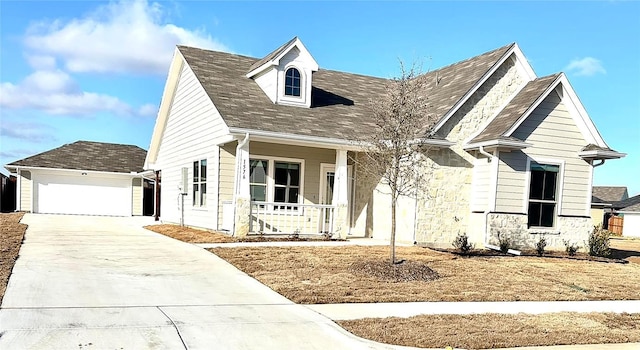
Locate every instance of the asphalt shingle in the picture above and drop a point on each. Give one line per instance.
(610, 194)
(340, 101)
(515, 109)
(87, 155)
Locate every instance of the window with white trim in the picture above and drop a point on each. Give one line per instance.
(200, 183)
(292, 82)
(258, 170)
(274, 180)
(543, 188)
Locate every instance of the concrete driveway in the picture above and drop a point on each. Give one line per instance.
(86, 282)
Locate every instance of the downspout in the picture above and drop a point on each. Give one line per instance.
(599, 164)
(157, 196)
(238, 172)
(487, 211)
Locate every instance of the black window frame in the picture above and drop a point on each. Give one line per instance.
(543, 201)
(292, 82)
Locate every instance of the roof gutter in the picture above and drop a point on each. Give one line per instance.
(22, 167)
(311, 141)
(497, 143)
(601, 154)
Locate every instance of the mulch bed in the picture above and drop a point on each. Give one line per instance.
(531, 253)
(404, 271)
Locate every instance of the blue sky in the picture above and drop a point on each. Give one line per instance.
(93, 70)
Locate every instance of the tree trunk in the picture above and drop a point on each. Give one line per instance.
(393, 229)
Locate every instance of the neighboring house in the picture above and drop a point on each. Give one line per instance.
(599, 208)
(83, 177)
(266, 145)
(603, 198)
(629, 210)
(610, 194)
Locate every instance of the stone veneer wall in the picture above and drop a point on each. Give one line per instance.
(444, 204)
(514, 226)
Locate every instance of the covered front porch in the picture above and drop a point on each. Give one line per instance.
(286, 188)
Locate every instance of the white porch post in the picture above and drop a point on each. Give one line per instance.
(242, 195)
(340, 195)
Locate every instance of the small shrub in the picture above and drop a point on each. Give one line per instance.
(540, 245)
(461, 243)
(570, 248)
(504, 242)
(599, 242)
(295, 235)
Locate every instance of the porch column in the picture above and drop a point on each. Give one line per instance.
(242, 195)
(340, 195)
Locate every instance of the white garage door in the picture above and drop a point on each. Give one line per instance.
(76, 194)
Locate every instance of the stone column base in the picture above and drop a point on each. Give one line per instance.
(340, 222)
(242, 217)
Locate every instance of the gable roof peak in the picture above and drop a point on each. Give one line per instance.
(273, 58)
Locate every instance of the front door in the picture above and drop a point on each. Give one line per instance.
(327, 181)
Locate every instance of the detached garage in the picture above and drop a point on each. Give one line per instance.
(86, 178)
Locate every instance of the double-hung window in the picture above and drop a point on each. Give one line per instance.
(276, 181)
(543, 190)
(200, 183)
(258, 170)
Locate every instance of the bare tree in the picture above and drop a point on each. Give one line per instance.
(395, 152)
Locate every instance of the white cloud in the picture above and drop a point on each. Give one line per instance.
(55, 92)
(17, 153)
(587, 67)
(148, 110)
(41, 61)
(123, 37)
(34, 132)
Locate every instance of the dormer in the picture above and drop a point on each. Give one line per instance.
(285, 75)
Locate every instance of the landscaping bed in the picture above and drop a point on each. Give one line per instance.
(490, 331)
(11, 236)
(192, 235)
(318, 275)
(553, 254)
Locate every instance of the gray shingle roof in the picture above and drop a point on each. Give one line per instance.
(271, 55)
(515, 109)
(92, 156)
(629, 204)
(340, 101)
(610, 194)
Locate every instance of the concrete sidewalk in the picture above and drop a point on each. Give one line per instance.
(106, 283)
(380, 310)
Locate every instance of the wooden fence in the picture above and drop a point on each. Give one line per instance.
(615, 225)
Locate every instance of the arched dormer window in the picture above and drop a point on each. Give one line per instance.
(292, 82)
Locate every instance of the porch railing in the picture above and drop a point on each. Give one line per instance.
(289, 218)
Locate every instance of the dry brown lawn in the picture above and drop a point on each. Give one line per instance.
(319, 275)
(190, 235)
(489, 331)
(11, 236)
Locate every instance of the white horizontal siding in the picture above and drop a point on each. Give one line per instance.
(136, 196)
(480, 185)
(553, 133)
(25, 190)
(191, 128)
